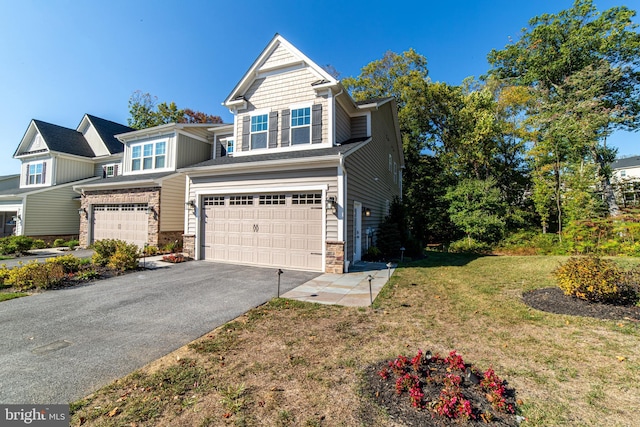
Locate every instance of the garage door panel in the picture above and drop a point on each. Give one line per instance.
(128, 222)
(276, 233)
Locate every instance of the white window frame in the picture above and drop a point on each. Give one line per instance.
(264, 131)
(153, 157)
(111, 166)
(297, 107)
(36, 174)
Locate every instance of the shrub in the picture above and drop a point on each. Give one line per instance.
(71, 244)
(373, 254)
(58, 242)
(103, 250)
(38, 244)
(150, 250)
(15, 244)
(125, 256)
(4, 273)
(69, 263)
(35, 274)
(594, 279)
(172, 247)
(468, 245)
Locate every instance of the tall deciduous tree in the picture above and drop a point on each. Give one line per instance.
(582, 68)
(144, 112)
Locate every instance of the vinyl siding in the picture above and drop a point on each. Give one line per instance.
(359, 126)
(343, 124)
(369, 180)
(273, 180)
(280, 56)
(97, 169)
(278, 92)
(68, 170)
(171, 152)
(95, 141)
(172, 204)
(191, 151)
(52, 212)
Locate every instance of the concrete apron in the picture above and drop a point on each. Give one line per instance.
(349, 289)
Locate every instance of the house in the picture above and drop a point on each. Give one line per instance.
(40, 202)
(625, 178)
(144, 204)
(305, 177)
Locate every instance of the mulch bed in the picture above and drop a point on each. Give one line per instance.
(553, 300)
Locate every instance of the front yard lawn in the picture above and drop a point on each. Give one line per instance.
(302, 364)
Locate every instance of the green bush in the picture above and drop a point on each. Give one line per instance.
(150, 250)
(71, 244)
(4, 273)
(373, 254)
(172, 247)
(35, 274)
(15, 244)
(58, 243)
(598, 280)
(103, 251)
(38, 244)
(468, 245)
(69, 263)
(125, 257)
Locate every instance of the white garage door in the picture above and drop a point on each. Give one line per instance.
(127, 221)
(276, 230)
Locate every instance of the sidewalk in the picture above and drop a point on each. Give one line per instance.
(348, 289)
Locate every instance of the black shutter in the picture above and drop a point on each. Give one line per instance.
(316, 123)
(273, 129)
(285, 122)
(44, 171)
(115, 170)
(26, 181)
(246, 132)
(104, 171)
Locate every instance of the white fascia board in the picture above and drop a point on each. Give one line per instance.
(151, 182)
(257, 190)
(148, 132)
(269, 165)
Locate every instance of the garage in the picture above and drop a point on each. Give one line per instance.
(275, 230)
(125, 221)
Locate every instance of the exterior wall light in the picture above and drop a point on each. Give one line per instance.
(366, 211)
(331, 203)
(83, 211)
(191, 204)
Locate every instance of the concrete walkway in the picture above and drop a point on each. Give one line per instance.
(349, 289)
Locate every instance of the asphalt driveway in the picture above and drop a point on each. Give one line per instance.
(61, 345)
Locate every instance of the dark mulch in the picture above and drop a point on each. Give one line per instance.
(398, 406)
(553, 300)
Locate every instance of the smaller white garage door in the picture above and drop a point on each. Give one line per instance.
(126, 221)
(276, 230)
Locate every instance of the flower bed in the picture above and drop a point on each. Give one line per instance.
(432, 390)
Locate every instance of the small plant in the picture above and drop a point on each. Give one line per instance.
(35, 275)
(172, 247)
(69, 263)
(233, 398)
(150, 250)
(174, 258)
(71, 244)
(58, 243)
(594, 279)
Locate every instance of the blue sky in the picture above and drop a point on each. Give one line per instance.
(60, 59)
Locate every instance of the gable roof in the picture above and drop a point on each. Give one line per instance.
(107, 130)
(260, 66)
(627, 162)
(63, 140)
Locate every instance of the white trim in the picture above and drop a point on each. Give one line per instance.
(331, 108)
(297, 147)
(342, 200)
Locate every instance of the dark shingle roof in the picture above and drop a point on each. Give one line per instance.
(107, 129)
(282, 155)
(627, 162)
(64, 140)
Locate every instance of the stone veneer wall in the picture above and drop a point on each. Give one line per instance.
(189, 245)
(335, 257)
(151, 196)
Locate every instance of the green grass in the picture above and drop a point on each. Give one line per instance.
(6, 296)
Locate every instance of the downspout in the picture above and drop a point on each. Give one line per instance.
(342, 205)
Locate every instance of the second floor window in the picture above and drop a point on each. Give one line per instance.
(148, 156)
(301, 126)
(259, 131)
(230, 145)
(35, 174)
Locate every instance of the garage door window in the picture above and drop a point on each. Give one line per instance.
(306, 199)
(273, 199)
(213, 201)
(240, 200)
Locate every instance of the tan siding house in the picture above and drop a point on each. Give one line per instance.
(311, 176)
(42, 202)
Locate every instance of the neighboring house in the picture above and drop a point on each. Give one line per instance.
(41, 202)
(308, 176)
(144, 205)
(625, 178)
